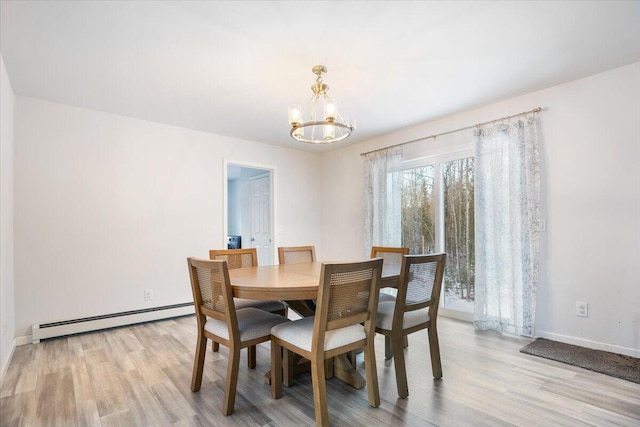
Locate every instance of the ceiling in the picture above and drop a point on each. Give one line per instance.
(233, 68)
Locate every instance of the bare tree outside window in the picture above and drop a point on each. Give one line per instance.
(457, 180)
(418, 225)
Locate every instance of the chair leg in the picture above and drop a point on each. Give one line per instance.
(328, 368)
(276, 369)
(388, 352)
(198, 363)
(232, 380)
(434, 349)
(289, 360)
(372, 374)
(319, 386)
(251, 357)
(215, 346)
(401, 370)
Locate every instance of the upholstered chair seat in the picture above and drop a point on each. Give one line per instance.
(384, 320)
(252, 323)
(300, 334)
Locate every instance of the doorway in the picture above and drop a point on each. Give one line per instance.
(249, 209)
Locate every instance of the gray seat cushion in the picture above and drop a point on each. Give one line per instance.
(384, 319)
(252, 323)
(300, 334)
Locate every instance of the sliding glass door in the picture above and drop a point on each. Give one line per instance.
(438, 215)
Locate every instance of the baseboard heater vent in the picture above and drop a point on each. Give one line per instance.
(40, 331)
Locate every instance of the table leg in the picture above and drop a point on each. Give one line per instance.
(298, 365)
(301, 307)
(343, 369)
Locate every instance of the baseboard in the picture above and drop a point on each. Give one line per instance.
(56, 329)
(455, 314)
(7, 362)
(25, 339)
(595, 345)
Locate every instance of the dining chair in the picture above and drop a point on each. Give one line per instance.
(344, 321)
(296, 254)
(219, 320)
(247, 257)
(415, 308)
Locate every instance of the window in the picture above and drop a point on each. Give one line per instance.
(438, 215)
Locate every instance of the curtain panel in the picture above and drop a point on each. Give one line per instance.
(382, 198)
(507, 221)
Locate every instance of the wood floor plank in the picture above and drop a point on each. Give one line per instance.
(19, 409)
(87, 413)
(82, 387)
(107, 388)
(144, 408)
(140, 376)
(56, 399)
(173, 405)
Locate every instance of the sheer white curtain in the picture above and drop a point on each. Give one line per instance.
(507, 221)
(382, 186)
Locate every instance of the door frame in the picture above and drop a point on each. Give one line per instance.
(225, 199)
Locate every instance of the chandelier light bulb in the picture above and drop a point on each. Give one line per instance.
(295, 115)
(330, 111)
(329, 132)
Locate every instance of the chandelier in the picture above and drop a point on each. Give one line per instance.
(319, 121)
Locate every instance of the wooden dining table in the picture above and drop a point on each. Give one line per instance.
(297, 285)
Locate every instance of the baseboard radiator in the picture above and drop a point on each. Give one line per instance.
(40, 331)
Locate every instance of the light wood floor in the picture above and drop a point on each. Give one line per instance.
(140, 376)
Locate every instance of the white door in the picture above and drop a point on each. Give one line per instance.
(261, 218)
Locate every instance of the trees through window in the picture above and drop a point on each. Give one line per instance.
(438, 214)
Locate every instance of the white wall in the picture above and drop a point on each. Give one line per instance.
(7, 313)
(591, 192)
(107, 206)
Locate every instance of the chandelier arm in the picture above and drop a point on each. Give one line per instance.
(306, 106)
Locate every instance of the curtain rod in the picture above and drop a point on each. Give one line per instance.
(535, 110)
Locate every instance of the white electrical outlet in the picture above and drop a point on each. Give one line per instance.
(582, 309)
(148, 294)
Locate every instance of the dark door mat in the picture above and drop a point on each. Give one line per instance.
(615, 365)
